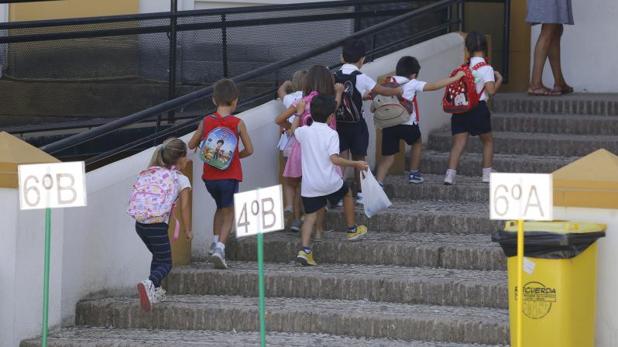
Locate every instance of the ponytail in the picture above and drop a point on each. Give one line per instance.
(168, 153)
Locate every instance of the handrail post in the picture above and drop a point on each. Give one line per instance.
(506, 40)
(224, 45)
(172, 60)
(460, 14)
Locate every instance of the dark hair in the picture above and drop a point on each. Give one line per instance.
(476, 42)
(221, 142)
(407, 66)
(168, 153)
(319, 79)
(225, 92)
(353, 51)
(322, 107)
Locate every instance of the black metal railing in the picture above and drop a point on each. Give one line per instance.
(447, 15)
(185, 100)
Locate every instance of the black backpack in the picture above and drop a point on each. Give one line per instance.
(351, 108)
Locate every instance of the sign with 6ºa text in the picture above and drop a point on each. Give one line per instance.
(521, 196)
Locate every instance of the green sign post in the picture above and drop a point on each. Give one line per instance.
(47, 186)
(258, 212)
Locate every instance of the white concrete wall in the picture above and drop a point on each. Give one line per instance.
(589, 47)
(437, 57)
(21, 269)
(607, 281)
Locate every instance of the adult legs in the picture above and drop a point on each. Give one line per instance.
(555, 63)
(541, 52)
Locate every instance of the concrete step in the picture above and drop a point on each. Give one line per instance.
(422, 217)
(471, 252)
(103, 337)
(376, 283)
(579, 103)
(470, 189)
(435, 162)
(532, 143)
(554, 123)
(338, 317)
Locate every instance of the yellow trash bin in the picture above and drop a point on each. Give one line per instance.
(559, 280)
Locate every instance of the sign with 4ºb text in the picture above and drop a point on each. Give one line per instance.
(258, 211)
(521, 196)
(56, 185)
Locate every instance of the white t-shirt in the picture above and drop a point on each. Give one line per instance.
(289, 100)
(409, 89)
(182, 183)
(481, 76)
(320, 176)
(292, 98)
(364, 83)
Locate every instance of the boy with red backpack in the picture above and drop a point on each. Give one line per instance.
(399, 116)
(222, 173)
(153, 199)
(467, 101)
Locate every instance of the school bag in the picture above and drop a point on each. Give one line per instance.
(218, 146)
(390, 111)
(153, 195)
(461, 96)
(351, 108)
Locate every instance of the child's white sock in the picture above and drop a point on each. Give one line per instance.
(487, 170)
(215, 239)
(221, 245)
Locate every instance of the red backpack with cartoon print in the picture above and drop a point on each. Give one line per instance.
(461, 96)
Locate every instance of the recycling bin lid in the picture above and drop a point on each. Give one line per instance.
(550, 240)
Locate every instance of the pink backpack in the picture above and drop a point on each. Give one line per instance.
(305, 118)
(153, 195)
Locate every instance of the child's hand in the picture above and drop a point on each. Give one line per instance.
(361, 165)
(498, 76)
(300, 107)
(459, 75)
(339, 88)
(189, 235)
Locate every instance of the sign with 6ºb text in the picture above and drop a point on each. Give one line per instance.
(258, 211)
(54, 185)
(521, 196)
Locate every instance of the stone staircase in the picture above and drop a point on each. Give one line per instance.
(427, 274)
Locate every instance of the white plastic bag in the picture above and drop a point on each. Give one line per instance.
(374, 198)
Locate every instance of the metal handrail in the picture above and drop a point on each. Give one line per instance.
(189, 124)
(189, 27)
(207, 91)
(189, 13)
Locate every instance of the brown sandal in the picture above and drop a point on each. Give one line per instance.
(562, 91)
(541, 91)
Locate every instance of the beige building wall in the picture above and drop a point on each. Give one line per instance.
(71, 9)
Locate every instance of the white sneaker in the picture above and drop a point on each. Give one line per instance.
(487, 174)
(212, 249)
(449, 179)
(218, 258)
(146, 289)
(159, 295)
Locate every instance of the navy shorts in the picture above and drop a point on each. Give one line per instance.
(392, 135)
(315, 203)
(222, 191)
(475, 122)
(354, 137)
